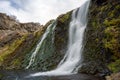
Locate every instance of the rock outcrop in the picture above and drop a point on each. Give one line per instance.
(51, 54)
(115, 76)
(102, 38)
(16, 40)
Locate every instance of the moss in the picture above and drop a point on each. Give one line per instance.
(111, 14)
(112, 31)
(112, 44)
(10, 48)
(64, 17)
(112, 22)
(1, 76)
(102, 39)
(95, 25)
(15, 64)
(103, 8)
(117, 7)
(115, 66)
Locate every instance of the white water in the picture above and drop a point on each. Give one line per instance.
(32, 59)
(72, 59)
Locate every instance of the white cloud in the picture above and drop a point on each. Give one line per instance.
(37, 10)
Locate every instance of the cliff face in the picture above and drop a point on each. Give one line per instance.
(51, 53)
(102, 38)
(101, 50)
(16, 40)
(10, 23)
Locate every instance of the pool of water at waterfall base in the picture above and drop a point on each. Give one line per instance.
(22, 75)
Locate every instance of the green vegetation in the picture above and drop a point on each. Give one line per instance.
(102, 41)
(112, 35)
(115, 66)
(14, 55)
(64, 17)
(1, 75)
(113, 22)
(10, 48)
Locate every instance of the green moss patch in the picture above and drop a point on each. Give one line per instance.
(65, 17)
(115, 66)
(11, 48)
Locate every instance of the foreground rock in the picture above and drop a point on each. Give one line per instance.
(115, 76)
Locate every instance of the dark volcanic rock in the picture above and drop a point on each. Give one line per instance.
(102, 40)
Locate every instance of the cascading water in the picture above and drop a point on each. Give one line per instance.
(72, 59)
(49, 29)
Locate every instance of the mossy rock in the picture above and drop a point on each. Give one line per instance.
(13, 57)
(115, 66)
(102, 39)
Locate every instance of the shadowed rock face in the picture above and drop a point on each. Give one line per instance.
(100, 2)
(102, 40)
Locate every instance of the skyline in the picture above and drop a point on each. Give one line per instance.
(38, 11)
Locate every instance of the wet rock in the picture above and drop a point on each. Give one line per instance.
(101, 41)
(23, 75)
(115, 76)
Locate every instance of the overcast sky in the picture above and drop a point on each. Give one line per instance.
(38, 10)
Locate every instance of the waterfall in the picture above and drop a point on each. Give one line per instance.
(49, 29)
(72, 59)
(73, 55)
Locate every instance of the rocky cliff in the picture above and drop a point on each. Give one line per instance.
(101, 51)
(51, 54)
(16, 39)
(102, 38)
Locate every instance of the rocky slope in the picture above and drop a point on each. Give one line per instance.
(19, 39)
(102, 38)
(16, 39)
